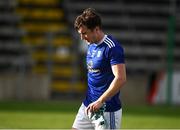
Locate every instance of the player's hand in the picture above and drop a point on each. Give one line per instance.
(93, 107)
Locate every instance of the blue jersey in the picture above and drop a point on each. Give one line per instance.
(100, 58)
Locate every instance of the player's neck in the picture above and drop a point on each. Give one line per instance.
(100, 36)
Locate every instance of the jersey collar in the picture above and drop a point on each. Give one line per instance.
(101, 40)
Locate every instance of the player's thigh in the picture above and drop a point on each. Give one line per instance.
(82, 121)
(113, 119)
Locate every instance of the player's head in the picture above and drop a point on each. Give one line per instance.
(88, 25)
(89, 18)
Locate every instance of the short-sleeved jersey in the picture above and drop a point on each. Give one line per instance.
(100, 57)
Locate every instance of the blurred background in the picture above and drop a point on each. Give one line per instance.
(42, 57)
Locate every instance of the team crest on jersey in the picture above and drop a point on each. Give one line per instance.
(98, 53)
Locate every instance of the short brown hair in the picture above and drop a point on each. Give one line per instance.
(89, 18)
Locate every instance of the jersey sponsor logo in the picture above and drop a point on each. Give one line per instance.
(109, 42)
(90, 64)
(94, 70)
(90, 67)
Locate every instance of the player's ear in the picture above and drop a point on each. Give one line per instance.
(96, 29)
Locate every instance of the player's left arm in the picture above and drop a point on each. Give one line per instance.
(119, 71)
(119, 80)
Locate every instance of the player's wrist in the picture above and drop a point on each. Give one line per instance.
(101, 101)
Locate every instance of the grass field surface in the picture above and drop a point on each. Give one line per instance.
(60, 115)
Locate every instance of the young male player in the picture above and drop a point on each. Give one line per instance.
(101, 109)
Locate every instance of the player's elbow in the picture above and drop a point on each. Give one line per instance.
(122, 80)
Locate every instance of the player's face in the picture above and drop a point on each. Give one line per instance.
(87, 35)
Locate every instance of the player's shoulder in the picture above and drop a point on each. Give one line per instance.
(111, 42)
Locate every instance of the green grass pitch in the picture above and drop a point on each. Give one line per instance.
(60, 115)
